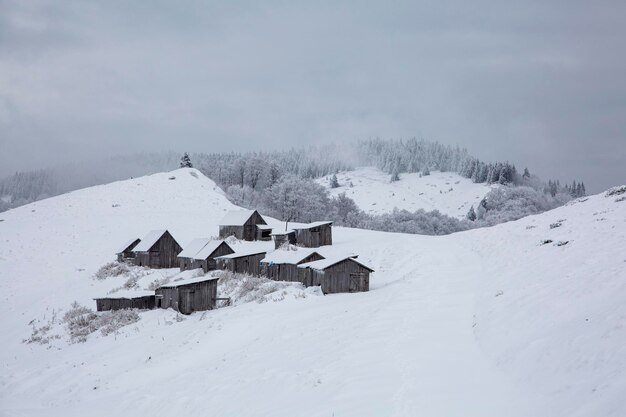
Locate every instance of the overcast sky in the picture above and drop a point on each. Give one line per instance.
(539, 83)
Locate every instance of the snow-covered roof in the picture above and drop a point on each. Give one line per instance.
(208, 249)
(127, 245)
(282, 232)
(193, 247)
(288, 256)
(311, 225)
(242, 254)
(236, 217)
(188, 281)
(325, 263)
(264, 226)
(128, 294)
(149, 240)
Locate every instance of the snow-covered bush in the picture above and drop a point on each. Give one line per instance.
(81, 321)
(619, 190)
(243, 288)
(112, 269)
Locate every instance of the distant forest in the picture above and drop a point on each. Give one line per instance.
(281, 184)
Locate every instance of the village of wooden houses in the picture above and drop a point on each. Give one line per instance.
(295, 257)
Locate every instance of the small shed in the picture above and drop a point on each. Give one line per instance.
(282, 265)
(185, 258)
(125, 253)
(344, 274)
(263, 232)
(242, 224)
(205, 258)
(314, 235)
(158, 249)
(144, 300)
(282, 238)
(187, 296)
(242, 262)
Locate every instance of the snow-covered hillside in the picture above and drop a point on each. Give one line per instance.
(491, 322)
(373, 192)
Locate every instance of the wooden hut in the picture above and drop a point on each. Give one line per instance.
(242, 262)
(144, 300)
(314, 235)
(205, 258)
(157, 250)
(185, 258)
(125, 253)
(263, 232)
(336, 275)
(187, 296)
(282, 265)
(243, 225)
(282, 238)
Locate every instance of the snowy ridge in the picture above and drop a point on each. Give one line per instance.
(521, 319)
(373, 192)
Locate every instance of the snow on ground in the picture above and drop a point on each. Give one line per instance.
(373, 192)
(489, 322)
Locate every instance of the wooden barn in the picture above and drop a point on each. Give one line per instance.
(282, 265)
(144, 300)
(336, 275)
(187, 296)
(157, 250)
(282, 238)
(264, 232)
(205, 258)
(244, 225)
(242, 262)
(186, 257)
(125, 253)
(314, 235)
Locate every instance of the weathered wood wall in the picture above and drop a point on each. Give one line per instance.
(287, 272)
(144, 303)
(244, 265)
(186, 264)
(197, 296)
(346, 276)
(315, 236)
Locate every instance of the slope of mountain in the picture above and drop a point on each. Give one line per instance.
(372, 191)
(489, 322)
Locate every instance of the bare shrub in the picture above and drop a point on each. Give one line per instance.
(41, 335)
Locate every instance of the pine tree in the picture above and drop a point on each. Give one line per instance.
(185, 161)
(334, 183)
(395, 176)
(471, 214)
(426, 171)
(526, 174)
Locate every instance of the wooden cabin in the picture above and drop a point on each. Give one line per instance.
(205, 258)
(187, 296)
(158, 249)
(336, 275)
(186, 257)
(283, 238)
(243, 224)
(314, 235)
(242, 262)
(144, 300)
(125, 253)
(282, 265)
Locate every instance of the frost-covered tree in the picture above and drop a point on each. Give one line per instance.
(426, 171)
(185, 161)
(334, 183)
(395, 176)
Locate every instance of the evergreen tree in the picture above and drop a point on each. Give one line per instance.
(471, 214)
(185, 161)
(395, 176)
(526, 174)
(426, 171)
(334, 183)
